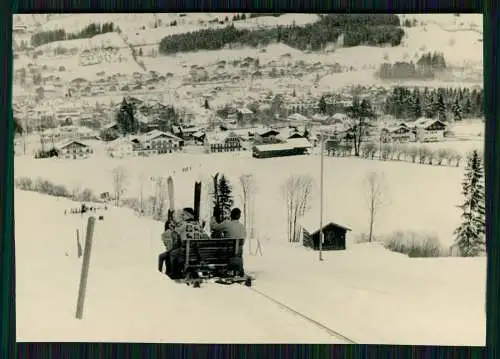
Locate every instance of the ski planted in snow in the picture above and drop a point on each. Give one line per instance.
(197, 200)
(171, 197)
(217, 210)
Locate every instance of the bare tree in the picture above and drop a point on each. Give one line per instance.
(120, 182)
(248, 189)
(375, 188)
(297, 191)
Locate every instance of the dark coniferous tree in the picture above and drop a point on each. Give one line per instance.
(321, 105)
(440, 106)
(470, 235)
(125, 118)
(457, 111)
(225, 197)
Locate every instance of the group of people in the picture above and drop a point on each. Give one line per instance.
(83, 209)
(182, 226)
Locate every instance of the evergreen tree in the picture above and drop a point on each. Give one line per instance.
(416, 107)
(322, 105)
(429, 110)
(440, 106)
(470, 235)
(467, 107)
(125, 118)
(457, 111)
(479, 104)
(206, 105)
(225, 197)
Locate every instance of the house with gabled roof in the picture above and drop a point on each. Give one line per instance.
(429, 130)
(160, 142)
(74, 149)
(398, 133)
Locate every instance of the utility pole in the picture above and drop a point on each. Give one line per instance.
(321, 198)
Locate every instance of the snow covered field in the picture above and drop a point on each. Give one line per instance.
(366, 293)
(419, 197)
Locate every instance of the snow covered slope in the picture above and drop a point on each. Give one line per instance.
(459, 38)
(366, 293)
(128, 300)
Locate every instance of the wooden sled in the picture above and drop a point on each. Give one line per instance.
(217, 260)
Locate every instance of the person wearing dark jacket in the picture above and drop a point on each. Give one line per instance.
(229, 229)
(167, 239)
(232, 229)
(186, 228)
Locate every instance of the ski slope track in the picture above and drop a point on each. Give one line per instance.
(330, 331)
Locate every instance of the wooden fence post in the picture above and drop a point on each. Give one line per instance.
(78, 244)
(85, 267)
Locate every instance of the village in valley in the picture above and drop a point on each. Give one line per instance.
(360, 140)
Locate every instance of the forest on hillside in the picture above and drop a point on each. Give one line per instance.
(443, 103)
(426, 68)
(357, 29)
(45, 37)
(447, 104)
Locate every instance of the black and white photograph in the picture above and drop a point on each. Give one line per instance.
(249, 178)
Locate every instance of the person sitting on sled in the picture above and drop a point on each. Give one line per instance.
(186, 227)
(232, 228)
(167, 238)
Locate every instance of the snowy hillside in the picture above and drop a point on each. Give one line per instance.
(366, 293)
(459, 38)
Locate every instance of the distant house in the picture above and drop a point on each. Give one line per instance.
(296, 135)
(399, 133)
(244, 114)
(123, 147)
(74, 149)
(334, 237)
(338, 118)
(199, 137)
(113, 126)
(429, 130)
(263, 134)
(223, 142)
(185, 133)
(159, 142)
(51, 133)
(299, 143)
(280, 149)
(298, 118)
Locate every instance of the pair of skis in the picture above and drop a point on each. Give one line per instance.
(171, 198)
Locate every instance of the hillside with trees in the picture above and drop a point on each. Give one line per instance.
(89, 31)
(426, 68)
(357, 29)
(446, 103)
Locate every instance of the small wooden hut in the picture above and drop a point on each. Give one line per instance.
(334, 237)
